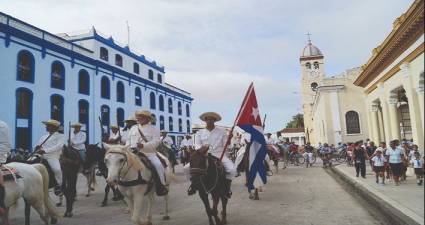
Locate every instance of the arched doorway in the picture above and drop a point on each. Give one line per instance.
(23, 114)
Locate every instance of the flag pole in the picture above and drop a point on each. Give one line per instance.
(234, 124)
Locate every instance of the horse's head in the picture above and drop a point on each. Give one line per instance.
(198, 164)
(118, 160)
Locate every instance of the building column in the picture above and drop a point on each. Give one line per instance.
(414, 108)
(393, 117)
(375, 123)
(420, 90)
(385, 117)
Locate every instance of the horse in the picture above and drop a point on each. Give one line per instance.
(103, 171)
(208, 177)
(274, 155)
(134, 180)
(70, 164)
(185, 155)
(167, 152)
(30, 182)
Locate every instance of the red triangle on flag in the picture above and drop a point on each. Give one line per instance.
(249, 113)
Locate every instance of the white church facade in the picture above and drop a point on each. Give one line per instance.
(78, 79)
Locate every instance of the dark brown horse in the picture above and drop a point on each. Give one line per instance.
(208, 177)
(70, 164)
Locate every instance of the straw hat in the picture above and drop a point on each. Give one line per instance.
(214, 115)
(76, 125)
(141, 112)
(130, 119)
(164, 131)
(113, 127)
(54, 123)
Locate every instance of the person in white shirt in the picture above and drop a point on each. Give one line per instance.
(4, 152)
(78, 140)
(212, 140)
(125, 133)
(50, 147)
(166, 139)
(115, 136)
(418, 165)
(395, 157)
(144, 140)
(187, 142)
(378, 165)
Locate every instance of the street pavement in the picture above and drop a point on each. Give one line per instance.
(294, 196)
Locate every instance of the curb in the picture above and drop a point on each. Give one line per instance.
(396, 213)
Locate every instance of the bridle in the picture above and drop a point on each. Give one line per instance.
(123, 164)
(202, 173)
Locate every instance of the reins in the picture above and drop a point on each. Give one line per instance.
(203, 173)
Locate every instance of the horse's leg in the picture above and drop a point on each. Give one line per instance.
(166, 198)
(105, 198)
(204, 198)
(224, 210)
(136, 203)
(6, 217)
(88, 178)
(27, 212)
(216, 200)
(149, 209)
(39, 207)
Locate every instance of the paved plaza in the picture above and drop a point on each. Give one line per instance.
(297, 195)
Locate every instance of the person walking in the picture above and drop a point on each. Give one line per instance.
(359, 157)
(378, 165)
(395, 157)
(418, 166)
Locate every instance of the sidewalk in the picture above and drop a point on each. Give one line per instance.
(405, 202)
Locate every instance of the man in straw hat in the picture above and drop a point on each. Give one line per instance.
(78, 141)
(144, 140)
(50, 146)
(125, 133)
(115, 136)
(212, 140)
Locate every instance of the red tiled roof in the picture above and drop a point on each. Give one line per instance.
(293, 130)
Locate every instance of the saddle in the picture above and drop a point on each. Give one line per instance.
(217, 162)
(10, 174)
(159, 188)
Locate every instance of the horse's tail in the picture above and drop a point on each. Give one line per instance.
(47, 201)
(168, 171)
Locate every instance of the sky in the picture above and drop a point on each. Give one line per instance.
(215, 49)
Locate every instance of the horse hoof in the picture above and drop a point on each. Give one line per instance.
(58, 204)
(92, 189)
(53, 221)
(103, 204)
(87, 195)
(166, 218)
(68, 214)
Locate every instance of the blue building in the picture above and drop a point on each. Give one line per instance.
(80, 78)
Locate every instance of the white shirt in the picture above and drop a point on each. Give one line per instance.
(216, 139)
(186, 143)
(167, 141)
(151, 134)
(269, 141)
(78, 140)
(378, 161)
(394, 154)
(4, 142)
(417, 163)
(53, 145)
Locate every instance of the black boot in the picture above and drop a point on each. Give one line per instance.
(2, 196)
(227, 185)
(160, 189)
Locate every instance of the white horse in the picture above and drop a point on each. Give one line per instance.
(33, 187)
(126, 167)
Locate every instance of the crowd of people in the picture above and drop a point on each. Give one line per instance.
(389, 162)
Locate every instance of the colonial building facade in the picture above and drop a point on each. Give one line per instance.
(79, 78)
(333, 107)
(393, 81)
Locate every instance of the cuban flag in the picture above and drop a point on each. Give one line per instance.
(249, 120)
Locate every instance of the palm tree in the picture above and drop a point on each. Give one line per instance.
(296, 122)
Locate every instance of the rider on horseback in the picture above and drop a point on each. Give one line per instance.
(125, 133)
(4, 151)
(144, 139)
(78, 141)
(50, 146)
(212, 140)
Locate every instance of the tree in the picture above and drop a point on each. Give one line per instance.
(296, 122)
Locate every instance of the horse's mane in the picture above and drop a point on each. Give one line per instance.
(132, 159)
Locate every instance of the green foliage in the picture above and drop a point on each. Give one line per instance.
(296, 122)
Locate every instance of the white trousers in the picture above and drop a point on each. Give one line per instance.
(229, 167)
(56, 168)
(158, 166)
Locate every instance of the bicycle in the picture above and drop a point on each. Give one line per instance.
(296, 158)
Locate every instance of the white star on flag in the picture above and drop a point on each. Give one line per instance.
(255, 113)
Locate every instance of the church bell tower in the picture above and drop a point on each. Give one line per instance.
(312, 73)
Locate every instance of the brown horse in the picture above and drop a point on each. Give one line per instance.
(208, 177)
